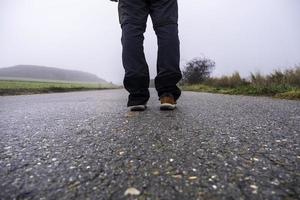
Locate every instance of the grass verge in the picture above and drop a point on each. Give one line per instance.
(277, 91)
(13, 87)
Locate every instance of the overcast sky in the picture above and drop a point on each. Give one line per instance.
(240, 35)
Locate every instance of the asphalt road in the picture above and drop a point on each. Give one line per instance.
(86, 145)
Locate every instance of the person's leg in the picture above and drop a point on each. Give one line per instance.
(133, 17)
(164, 14)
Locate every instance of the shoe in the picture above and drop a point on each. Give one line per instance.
(137, 108)
(167, 102)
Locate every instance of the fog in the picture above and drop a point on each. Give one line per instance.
(245, 36)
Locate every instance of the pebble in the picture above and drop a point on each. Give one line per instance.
(193, 177)
(8, 147)
(275, 182)
(177, 176)
(132, 191)
(254, 187)
(156, 173)
(255, 159)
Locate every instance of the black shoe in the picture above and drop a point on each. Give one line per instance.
(138, 108)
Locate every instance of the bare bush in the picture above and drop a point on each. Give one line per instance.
(198, 70)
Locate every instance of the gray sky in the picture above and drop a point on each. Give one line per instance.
(240, 35)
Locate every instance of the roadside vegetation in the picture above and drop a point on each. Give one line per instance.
(280, 83)
(14, 87)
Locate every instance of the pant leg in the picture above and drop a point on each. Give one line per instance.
(133, 18)
(164, 14)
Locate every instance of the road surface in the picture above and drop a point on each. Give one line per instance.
(86, 145)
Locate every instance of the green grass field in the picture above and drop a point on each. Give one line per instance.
(14, 87)
(283, 84)
(277, 91)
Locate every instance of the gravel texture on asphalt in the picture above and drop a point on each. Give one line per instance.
(87, 145)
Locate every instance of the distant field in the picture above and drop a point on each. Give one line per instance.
(14, 87)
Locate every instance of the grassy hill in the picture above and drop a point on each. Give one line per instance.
(32, 72)
(29, 79)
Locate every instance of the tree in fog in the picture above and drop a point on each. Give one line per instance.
(197, 70)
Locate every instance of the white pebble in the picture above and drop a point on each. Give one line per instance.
(132, 191)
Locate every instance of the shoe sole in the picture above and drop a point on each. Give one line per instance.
(138, 108)
(167, 106)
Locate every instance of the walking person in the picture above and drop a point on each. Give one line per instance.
(133, 16)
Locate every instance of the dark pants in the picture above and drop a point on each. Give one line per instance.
(133, 16)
